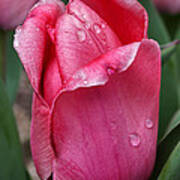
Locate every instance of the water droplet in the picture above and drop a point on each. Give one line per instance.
(110, 71)
(134, 139)
(85, 82)
(16, 43)
(97, 28)
(103, 25)
(149, 123)
(81, 35)
(113, 125)
(84, 16)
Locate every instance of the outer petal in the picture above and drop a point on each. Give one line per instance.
(41, 147)
(126, 17)
(35, 45)
(13, 12)
(171, 6)
(109, 131)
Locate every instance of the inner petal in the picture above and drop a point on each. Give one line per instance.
(81, 36)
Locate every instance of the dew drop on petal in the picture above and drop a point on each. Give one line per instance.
(84, 16)
(103, 25)
(16, 36)
(16, 43)
(81, 35)
(97, 28)
(85, 82)
(134, 139)
(110, 71)
(149, 123)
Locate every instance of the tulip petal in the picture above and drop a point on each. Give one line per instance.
(109, 131)
(127, 18)
(35, 46)
(81, 37)
(42, 151)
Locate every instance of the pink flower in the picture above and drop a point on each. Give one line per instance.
(171, 6)
(13, 12)
(96, 79)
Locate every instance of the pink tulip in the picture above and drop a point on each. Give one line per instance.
(96, 79)
(13, 12)
(171, 6)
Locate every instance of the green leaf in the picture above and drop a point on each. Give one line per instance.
(168, 95)
(65, 1)
(178, 63)
(167, 53)
(11, 162)
(171, 170)
(172, 22)
(156, 29)
(175, 122)
(13, 68)
(164, 150)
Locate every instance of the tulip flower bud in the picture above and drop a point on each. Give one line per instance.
(96, 81)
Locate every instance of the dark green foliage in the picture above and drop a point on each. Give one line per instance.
(11, 162)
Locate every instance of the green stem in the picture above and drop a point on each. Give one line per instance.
(168, 45)
(168, 50)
